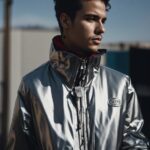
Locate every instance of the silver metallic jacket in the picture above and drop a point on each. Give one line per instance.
(75, 104)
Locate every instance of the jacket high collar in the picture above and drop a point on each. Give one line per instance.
(68, 64)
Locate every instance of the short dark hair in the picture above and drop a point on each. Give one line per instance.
(70, 7)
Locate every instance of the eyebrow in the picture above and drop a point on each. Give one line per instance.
(97, 17)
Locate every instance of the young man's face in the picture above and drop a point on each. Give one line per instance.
(85, 32)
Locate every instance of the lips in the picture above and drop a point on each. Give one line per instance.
(97, 40)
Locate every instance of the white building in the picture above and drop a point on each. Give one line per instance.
(29, 48)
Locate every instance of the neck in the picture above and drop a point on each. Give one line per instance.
(84, 53)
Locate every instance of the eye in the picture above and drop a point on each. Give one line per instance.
(104, 20)
(91, 18)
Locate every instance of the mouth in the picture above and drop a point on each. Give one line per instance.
(97, 40)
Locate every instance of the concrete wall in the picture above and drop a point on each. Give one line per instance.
(29, 49)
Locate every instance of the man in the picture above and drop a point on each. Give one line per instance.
(72, 102)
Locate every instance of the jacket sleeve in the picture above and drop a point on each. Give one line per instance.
(21, 135)
(133, 139)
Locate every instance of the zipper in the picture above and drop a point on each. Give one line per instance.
(81, 105)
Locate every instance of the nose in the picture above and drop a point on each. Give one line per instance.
(99, 28)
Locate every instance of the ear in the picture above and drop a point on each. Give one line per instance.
(65, 20)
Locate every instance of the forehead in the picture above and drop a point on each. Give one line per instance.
(93, 6)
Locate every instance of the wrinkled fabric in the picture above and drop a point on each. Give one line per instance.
(56, 111)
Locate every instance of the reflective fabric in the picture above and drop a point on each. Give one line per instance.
(54, 111)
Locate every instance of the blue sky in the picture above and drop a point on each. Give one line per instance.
(128, 20)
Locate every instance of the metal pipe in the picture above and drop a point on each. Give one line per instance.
(6, 69)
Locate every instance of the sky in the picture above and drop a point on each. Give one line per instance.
(128, 20)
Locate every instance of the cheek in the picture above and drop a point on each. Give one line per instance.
(82, 32)
(88, 30)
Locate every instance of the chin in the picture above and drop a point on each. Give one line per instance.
(93, 50)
